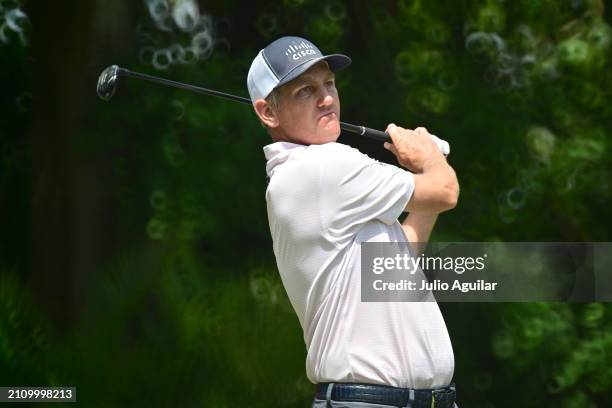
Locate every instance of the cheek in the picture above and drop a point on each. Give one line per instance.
(298, 115)
(292, 120)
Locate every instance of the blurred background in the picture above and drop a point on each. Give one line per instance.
(135, 256)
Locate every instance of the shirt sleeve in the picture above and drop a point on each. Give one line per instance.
(360, 189)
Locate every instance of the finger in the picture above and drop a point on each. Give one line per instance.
(393, 132)
(421, 129)
(390, 147)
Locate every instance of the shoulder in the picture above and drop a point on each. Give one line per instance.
(335, 147)
(338, 155)
(340, 164)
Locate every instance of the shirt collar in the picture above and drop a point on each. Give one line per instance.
(278, 153)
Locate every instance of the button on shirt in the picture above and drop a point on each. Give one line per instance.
(323, 201)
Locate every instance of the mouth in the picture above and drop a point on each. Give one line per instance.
(329, 115)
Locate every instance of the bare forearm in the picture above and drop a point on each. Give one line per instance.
(417, 228)
(436, 190)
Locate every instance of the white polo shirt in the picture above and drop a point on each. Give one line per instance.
(323, 201)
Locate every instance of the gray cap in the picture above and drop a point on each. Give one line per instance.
(286, 59)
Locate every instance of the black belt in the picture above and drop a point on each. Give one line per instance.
(443, 397)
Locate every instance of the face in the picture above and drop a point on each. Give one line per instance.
(309, 109)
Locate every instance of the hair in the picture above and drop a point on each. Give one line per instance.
(274, 99)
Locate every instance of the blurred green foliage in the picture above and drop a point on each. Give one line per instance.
(188, 310)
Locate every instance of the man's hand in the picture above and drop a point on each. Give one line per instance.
(414, 149)
(436, 188)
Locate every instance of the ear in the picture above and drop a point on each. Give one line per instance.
(266, 114)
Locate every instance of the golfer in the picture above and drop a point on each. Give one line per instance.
(324, 199)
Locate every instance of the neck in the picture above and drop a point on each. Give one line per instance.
(280, 136)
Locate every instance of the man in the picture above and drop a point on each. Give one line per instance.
(324, 199)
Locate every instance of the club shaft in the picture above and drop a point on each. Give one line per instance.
(361, 130)
(181, 85)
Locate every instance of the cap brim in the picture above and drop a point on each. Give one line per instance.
(336, 62)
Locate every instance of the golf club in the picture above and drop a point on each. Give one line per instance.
(107, 84)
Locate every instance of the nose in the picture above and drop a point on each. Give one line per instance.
(326, 100)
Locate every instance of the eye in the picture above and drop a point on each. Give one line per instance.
(305, 91)
(331, 85)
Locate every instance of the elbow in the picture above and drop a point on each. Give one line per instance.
(451, 190)
(453, 199)
(451, 195)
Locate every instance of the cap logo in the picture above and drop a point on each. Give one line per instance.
(295, 52)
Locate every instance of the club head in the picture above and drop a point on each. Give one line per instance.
(107, 82)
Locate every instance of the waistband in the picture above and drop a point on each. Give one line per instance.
(443, 397)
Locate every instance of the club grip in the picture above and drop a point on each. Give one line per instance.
(443, 145)
(376, 134)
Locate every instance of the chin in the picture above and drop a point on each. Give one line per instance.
(320, 136)
(334, 137)
(331, 135)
